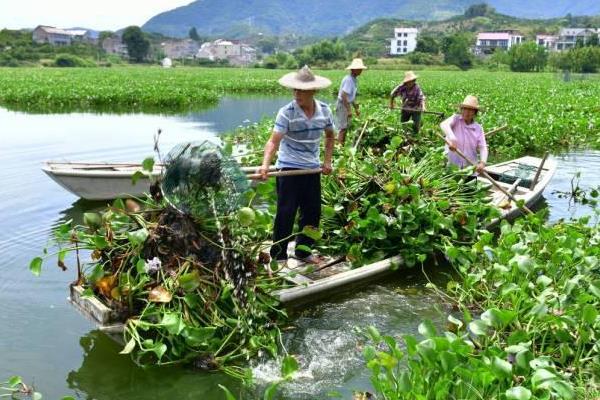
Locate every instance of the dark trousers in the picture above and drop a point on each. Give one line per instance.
(295, 193)
(416, 117)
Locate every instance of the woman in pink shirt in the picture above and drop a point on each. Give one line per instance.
(463, 133)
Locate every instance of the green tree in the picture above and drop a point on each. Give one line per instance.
(478, 10)
(138, 46)
(427, 44)
(527, 57)
(268, 44)
(193, 34)
(456, 50)
(593, 41)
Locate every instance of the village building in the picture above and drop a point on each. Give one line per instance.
(404, 41)
(178, 49)
(568, 37)
(488, 42)
(234, 51)
(62, 37)
(547, 41)
(114, 45)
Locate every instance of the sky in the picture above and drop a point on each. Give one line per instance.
(92, 14)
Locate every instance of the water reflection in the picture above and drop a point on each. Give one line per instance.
(106, 375)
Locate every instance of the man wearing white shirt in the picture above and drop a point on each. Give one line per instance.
(347, 98)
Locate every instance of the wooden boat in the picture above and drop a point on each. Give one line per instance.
(309, 284)
(104, 181)
(100, 181)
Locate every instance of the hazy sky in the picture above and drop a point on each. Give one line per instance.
(97, 14)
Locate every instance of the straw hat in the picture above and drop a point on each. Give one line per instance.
(471, 102)
(409, 76)
(304, 79)
(357, 63)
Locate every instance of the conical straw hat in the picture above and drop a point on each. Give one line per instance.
(357, 63)
(304, 79)
(409, 76)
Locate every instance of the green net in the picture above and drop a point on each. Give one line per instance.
(200, 178)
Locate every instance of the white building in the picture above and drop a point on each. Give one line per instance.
(404, 41)
(235, 52)
(488, 42)
(547, 41)
(62, 37)
(568, 37)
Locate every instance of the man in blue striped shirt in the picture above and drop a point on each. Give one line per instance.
(297, 134)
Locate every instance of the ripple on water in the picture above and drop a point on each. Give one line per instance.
(328, 344)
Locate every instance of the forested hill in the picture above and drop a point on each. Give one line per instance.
(239, 18)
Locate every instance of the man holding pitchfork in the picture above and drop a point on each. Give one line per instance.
(296, 136)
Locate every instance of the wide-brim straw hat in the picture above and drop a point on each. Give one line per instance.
(357, 63)
(304, 79)
(471, 102)
(409, 76)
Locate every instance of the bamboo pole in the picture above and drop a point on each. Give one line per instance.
(293, 172)
(361, 134)
(539, 170)
(495, 130)
(488, 177)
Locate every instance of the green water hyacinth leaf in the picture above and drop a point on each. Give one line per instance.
(523, 262)
(137, 175)
(498, 318)
(589, 314)
(100, 242)
(311, 232)
(198, 337)
(148, 164)
(137, 238)
(502, 368)
(543, 281)
(189, 281)
(14, 381)
(289, 366)
(542, 377)
(594, 288)
(518, 393)
(374, 334)
(36, 396)
(427, 329)
(35, 266)
(92, 220)
(172, 323)
(478, 327)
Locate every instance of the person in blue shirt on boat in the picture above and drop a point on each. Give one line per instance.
(297, 134)
(346, 99)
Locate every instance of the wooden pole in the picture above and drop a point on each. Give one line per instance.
(361, 134)
(439, 114)
(538, 172)
(488, 177)
(293, 172)
(495, 130)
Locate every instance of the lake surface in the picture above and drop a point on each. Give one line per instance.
(45, 340)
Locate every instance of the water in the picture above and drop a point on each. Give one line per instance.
(43, 339)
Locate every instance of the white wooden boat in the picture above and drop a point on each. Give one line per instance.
(103, 180)
(309, 287)
(100, 181)
(309, 284)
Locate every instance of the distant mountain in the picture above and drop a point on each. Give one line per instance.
(236, 18)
